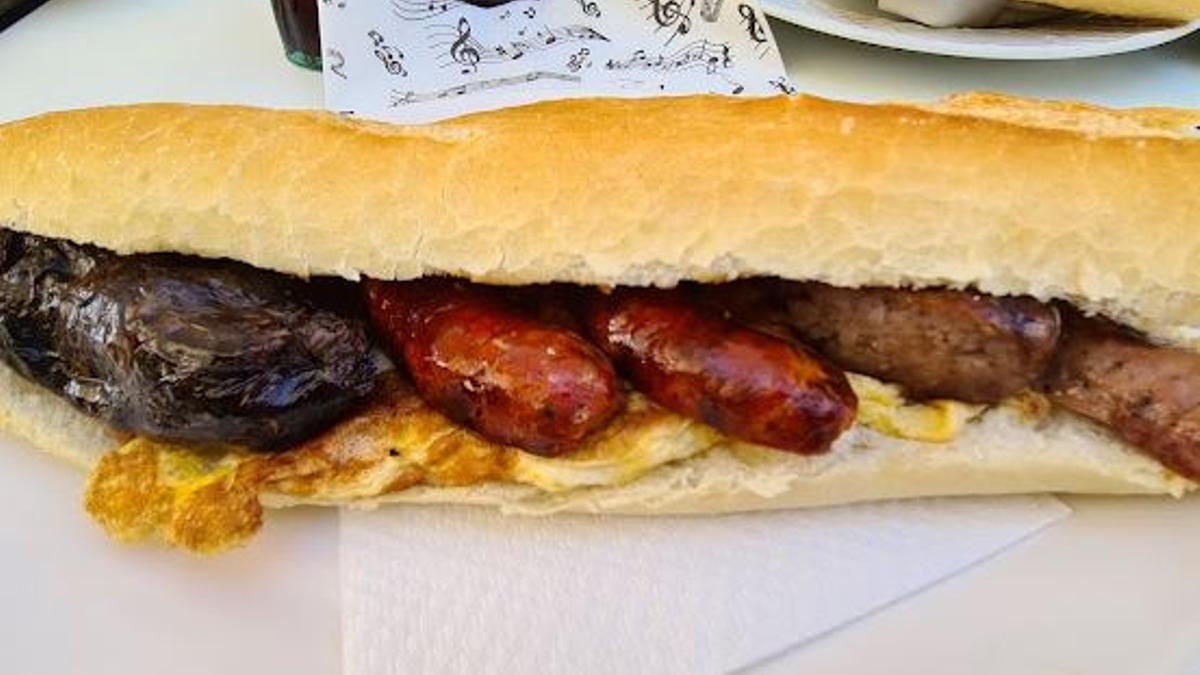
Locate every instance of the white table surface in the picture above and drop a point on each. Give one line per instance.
(1113, 590)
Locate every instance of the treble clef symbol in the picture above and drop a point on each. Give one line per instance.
(462, 51)
(665, 13)
(670, 13)
(753, 28)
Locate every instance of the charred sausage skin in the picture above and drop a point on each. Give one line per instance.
(179, 348)
(750, 385)
(484, 363)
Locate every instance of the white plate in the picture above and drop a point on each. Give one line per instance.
(861, 20)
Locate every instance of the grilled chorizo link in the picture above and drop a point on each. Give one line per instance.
(1148, 395)
(934, 343)
(487, 365)
(753, 386)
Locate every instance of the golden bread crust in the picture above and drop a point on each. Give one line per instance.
(1053, 200)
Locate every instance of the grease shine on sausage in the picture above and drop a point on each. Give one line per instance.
(750, 385)
(485, 364)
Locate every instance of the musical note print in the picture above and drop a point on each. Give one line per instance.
(409, 97)
(387, 54)
(783, 85)
(469, 53)
(754, 29)
(463, 50)
(710, 10)
(335, 62)
(417, 60)
(415, 10)
(711, 56)
(590, 8)
(671, 14)
(579, 60)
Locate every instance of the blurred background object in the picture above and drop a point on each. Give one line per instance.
(1020, 32)
(300, 31)
(12, 10)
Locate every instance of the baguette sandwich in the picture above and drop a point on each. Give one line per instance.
(690, 305)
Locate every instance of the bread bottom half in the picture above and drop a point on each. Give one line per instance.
(1003, 452)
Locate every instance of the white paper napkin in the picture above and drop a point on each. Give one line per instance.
(463, 590)
(421, 60)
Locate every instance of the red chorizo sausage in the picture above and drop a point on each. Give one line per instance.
(748, 384)
(485, 364)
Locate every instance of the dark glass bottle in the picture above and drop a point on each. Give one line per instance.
(301, 33)
(11, 10)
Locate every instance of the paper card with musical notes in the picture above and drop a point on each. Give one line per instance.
(413, 61)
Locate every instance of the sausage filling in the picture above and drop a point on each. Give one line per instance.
(217, 352)
(178, 348)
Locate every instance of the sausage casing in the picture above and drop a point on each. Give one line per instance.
(179, 348)
(1147, 394)
(491, 367)
(935, 343)
(750, 385)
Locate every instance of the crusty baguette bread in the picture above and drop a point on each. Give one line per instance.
(1056, 200)
(1052, 201)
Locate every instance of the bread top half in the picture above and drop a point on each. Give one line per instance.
(1008, 196)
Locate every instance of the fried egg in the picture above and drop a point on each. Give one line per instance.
(208, 500)
(883, 408)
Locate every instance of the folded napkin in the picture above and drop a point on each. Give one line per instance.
(464, 590)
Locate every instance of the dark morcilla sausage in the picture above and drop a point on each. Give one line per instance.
(180, 348)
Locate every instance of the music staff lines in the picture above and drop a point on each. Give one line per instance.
(712, 56)
(412, 10)
(409, 97)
